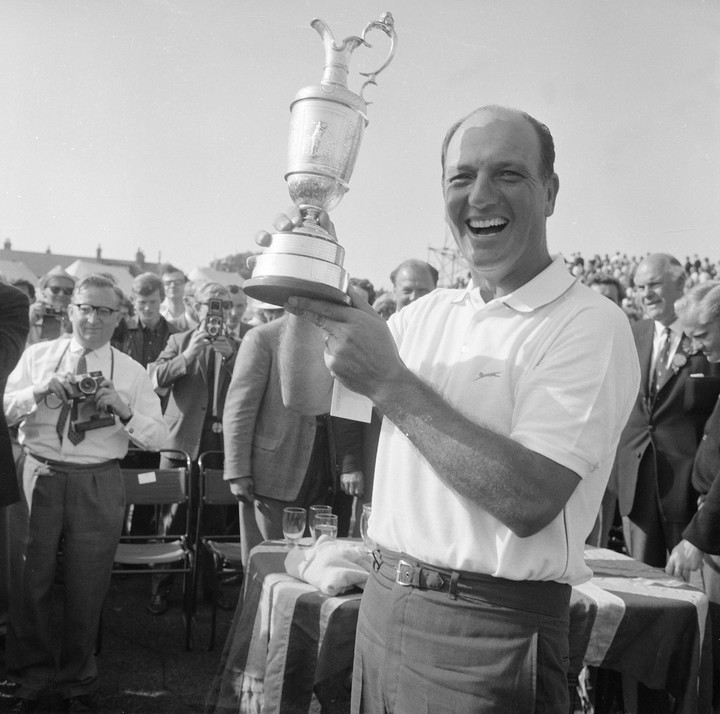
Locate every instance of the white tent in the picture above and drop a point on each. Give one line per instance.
(216, 276)
(15, 270)
(122, 276)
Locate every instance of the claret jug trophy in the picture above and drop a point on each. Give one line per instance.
(326, 127)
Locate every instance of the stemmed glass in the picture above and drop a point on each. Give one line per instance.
(315, 511)
(294, 525)
(364, 523)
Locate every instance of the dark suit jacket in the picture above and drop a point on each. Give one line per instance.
(663, 432)
(187, 400)
(263, 438)
(131, 341)
(14, 311)
(704, 529)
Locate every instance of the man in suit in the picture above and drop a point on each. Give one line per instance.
(657, 447)
(193, 372)
(274, 457)
(13, 333)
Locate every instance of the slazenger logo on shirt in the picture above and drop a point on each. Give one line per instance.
(482, 375)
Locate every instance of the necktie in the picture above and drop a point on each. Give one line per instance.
(75, 437)
(660, 375)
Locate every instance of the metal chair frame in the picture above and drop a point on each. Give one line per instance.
(136, 554)
(224, 550)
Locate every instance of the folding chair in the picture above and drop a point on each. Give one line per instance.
(222, 550)
(137, 553)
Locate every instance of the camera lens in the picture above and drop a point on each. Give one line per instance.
(87, 385)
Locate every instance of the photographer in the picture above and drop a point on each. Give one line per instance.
(196, 367)
(49, 313)
(80, 402)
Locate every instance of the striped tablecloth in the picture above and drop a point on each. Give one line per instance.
(290, 648)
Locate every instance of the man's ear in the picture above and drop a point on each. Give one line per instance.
(552, 186)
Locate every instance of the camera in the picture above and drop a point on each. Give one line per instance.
(85, 414)
(83, 386)
(215, 320)
(52, 311)
(51, 322)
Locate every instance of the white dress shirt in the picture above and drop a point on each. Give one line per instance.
(38, 420)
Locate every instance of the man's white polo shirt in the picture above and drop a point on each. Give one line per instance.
(553, 366)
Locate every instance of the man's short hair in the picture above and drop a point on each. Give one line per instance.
(670, 264)
(101, 282)
(24, 285)
(547, 144)
(167, 268)
(146, 284)
(366, 285)
(700, 304)
(207, 289)
(414, 263)
(605, 279)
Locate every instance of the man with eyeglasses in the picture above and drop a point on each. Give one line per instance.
(174, 308)
(49, 313)
(74, 491)
(194, 370)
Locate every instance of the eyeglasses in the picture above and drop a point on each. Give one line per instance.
(226, 304)
(56, 290)
(102, 312)
(173, 282)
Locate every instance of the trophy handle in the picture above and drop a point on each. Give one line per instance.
(387, 25)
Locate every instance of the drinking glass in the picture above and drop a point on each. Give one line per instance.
(364, 522)
(326, 519)
(327, 529)
(294, 525)
(314, 512)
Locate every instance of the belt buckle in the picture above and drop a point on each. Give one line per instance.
(406, 574)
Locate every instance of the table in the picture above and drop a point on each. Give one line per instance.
(290, 648)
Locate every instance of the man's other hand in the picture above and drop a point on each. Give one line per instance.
(243, 488)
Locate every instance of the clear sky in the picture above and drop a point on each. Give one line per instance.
(162, 124)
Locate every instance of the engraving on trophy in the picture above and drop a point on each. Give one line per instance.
(316, 137)
(326, 128)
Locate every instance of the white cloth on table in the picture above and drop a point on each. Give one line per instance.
(332, 566)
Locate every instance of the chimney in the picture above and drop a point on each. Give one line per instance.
(140, 258)
(7, 245)
(98, 254)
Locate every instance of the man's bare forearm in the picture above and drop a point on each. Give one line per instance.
(521, 488)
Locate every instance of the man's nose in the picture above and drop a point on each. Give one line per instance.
(482, 190)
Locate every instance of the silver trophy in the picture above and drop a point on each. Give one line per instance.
(326, 127)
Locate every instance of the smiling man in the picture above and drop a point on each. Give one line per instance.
(73, 489)
(485, 488)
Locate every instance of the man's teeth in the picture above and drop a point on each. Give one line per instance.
(490, 225)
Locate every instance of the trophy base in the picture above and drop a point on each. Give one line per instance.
(276, 290)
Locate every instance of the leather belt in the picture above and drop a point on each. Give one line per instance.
(410, 574)
(544, 597)
(71, 466)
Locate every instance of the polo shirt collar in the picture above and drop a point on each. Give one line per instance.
(543, 289)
